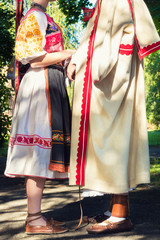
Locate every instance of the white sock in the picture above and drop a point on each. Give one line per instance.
(116, 219)
(112, 219)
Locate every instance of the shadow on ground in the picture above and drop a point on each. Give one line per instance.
(61, 202)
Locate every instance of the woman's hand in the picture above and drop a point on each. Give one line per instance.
(51, 58)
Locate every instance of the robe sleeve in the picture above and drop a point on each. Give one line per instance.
(30, 40)
(146, 36)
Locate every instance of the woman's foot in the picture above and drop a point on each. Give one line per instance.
(47, 229)
(55, 222)
(36, 220)
(37, 224)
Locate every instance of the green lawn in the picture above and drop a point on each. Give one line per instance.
(154, 137)
(155, 172)
(154, 140)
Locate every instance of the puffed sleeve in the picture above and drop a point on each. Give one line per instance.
(30, 40)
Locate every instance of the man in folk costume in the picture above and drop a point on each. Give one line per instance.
(109, 145)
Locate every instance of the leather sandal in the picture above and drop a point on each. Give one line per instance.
(100, 217)
(96, 219)
(55, 222)
(49, 228)
(120, 208)
(51, 220)
(111, 227)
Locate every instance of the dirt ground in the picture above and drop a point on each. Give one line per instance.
(61, 202)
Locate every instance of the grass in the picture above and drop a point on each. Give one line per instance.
(155, 172)
(154, 137)
(154, 140)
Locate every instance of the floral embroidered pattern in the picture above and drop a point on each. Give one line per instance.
(59, 137)
(30, 140)
(67, 139)
(29, 38)
(54, 43)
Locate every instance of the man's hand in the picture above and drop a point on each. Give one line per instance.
(71, 70)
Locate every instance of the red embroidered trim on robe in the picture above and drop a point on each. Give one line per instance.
(126, 49)
(84, 123)
(143, 52)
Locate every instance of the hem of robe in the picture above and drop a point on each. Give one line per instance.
(101, 186)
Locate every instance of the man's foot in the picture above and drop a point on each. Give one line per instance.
(100, 217)
(111, 227)
(96, 219)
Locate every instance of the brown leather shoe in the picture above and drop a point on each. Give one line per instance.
(111, 227)
(48, 229)
(96, 219)
(55, 222)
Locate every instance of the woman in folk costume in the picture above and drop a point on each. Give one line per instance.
(109, 146)
(39, 145)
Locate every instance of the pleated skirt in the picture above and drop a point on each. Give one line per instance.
(39, 142)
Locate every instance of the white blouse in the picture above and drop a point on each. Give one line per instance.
(30, 39)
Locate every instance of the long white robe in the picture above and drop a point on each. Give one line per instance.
(109, 143)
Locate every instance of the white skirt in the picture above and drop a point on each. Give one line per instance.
(30, 139)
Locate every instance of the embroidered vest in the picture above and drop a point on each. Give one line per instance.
(54, 40)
